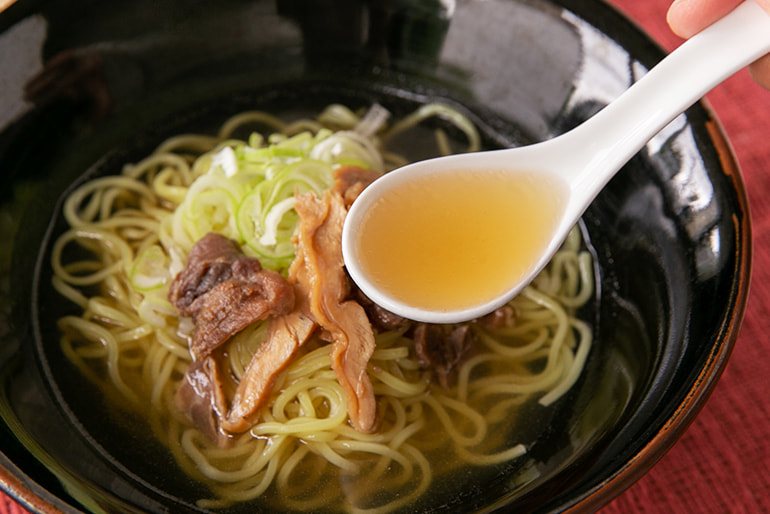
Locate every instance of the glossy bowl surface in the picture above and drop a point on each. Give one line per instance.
(670, 234)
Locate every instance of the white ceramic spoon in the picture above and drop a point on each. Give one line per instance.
(585, 158)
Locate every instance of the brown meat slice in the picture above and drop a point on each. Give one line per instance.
(224, 291)
(344, 321)
(349, 181)
(209, 263)
(442, 347)
(235, 304)
(285, 335)
(379, 317)
(201, 398)
(504, 316)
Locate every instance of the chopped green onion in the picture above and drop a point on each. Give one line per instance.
(150, 270)
(248, 191)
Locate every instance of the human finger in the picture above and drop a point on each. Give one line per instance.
(688, 17)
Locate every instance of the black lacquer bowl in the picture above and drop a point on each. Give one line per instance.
(671, 232)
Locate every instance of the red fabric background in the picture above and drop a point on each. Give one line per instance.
(722, 463)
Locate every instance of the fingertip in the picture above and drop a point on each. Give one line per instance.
(678, 17)
(760, 72)
(688, 17)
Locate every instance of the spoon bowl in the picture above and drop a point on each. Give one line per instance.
(571, 169)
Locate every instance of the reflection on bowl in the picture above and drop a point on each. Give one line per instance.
(669, 235)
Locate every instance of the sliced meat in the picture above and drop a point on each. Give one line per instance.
(209, 263)
(504, 316)
(442, 347)
(235, 304)
(201, 398)
(349, 181)
(285, 335)
(224, 292)
(344, 321)
(379, 317)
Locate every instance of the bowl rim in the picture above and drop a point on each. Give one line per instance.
(703, 385)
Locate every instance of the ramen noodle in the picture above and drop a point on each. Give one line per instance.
(132, 234)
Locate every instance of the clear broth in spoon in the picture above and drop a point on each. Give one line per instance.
(461, 240)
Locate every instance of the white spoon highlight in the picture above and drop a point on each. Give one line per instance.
(559, 177)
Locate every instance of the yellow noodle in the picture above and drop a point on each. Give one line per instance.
(574, 371)
(69, 292)
(194, 143)
(422, 463)
(489, 460)
(174, 345)
(121, 184)
(95, 332)
(463, 409)
(396, 387)
(250, 117)
(306, 424)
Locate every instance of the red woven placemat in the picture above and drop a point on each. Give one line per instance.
(722, 463)
(8, 506)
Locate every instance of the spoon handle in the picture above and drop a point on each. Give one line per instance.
(668, 89)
